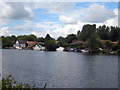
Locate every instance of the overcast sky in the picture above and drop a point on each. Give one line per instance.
(57, 19)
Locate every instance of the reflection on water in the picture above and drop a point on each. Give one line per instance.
(62, 69)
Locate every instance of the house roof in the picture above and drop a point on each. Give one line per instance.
(22, 42)
(76, 42)
(32, 42)
(115, 42)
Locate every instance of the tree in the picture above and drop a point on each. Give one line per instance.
(61, 38)
(115, 47)
(8, 41)
(13, 38)
(70, 38)
(47, 38)
(93, 42)
(87, 31)
(31, 37)
(114, 33)
(103, 32)
(40, 39)
(22, 37)
(50, 45)
(62, 42)
(79, 35)
(108, 44)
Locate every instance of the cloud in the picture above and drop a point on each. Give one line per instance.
(15, 10)
(113, 21)
(39, 33)
(3, 22)
(50, 22)
(46, 25)
(52, 7)
(62, 1)
(71, 19)
(97, 13)
(4, 31)
(60, 31)
(67, 20)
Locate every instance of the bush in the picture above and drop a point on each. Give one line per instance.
(10, 83)
(94, 51)
(105, 51)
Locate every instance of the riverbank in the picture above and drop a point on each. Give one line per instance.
(99, 52)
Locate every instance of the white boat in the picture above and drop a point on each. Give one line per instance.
(84, 50)
(37, 47)
(60, 49)
(18, 47)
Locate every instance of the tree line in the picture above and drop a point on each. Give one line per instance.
(89, 34)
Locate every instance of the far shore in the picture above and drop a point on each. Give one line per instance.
(66, 51)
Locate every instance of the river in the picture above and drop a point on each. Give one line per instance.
(61, 69)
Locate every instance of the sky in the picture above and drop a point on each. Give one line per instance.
(54, 18)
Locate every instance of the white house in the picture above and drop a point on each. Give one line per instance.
(19, 44)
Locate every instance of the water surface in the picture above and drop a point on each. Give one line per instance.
(62, 69)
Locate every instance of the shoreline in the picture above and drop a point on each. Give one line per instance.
(89, 53)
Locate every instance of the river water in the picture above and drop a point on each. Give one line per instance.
(61, 69)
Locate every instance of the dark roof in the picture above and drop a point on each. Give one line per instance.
(32, 42)
(22, 42)
(76, 42)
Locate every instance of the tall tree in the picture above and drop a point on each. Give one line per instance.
(70, 38)
(47, 37)
(79, 35)
(50, 45)
(87, 31)
(103, 32)
(93, 41)
(114, 33)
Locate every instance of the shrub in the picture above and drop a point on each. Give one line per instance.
(10, 83)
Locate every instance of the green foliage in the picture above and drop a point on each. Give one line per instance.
(96, 50)
(22, 37)
(108, 44)
(61, 38)
(93, 41)
(103, 32)
(115, 47)
(105, 51)
(70, 38)
(30, 37)
(115, 33)
(9, 83)
(47, 38)
(62, 42)
(40, 39)
(89, 34)
(8, 41)
(87, 31)
(50, 45)
(79, 35)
